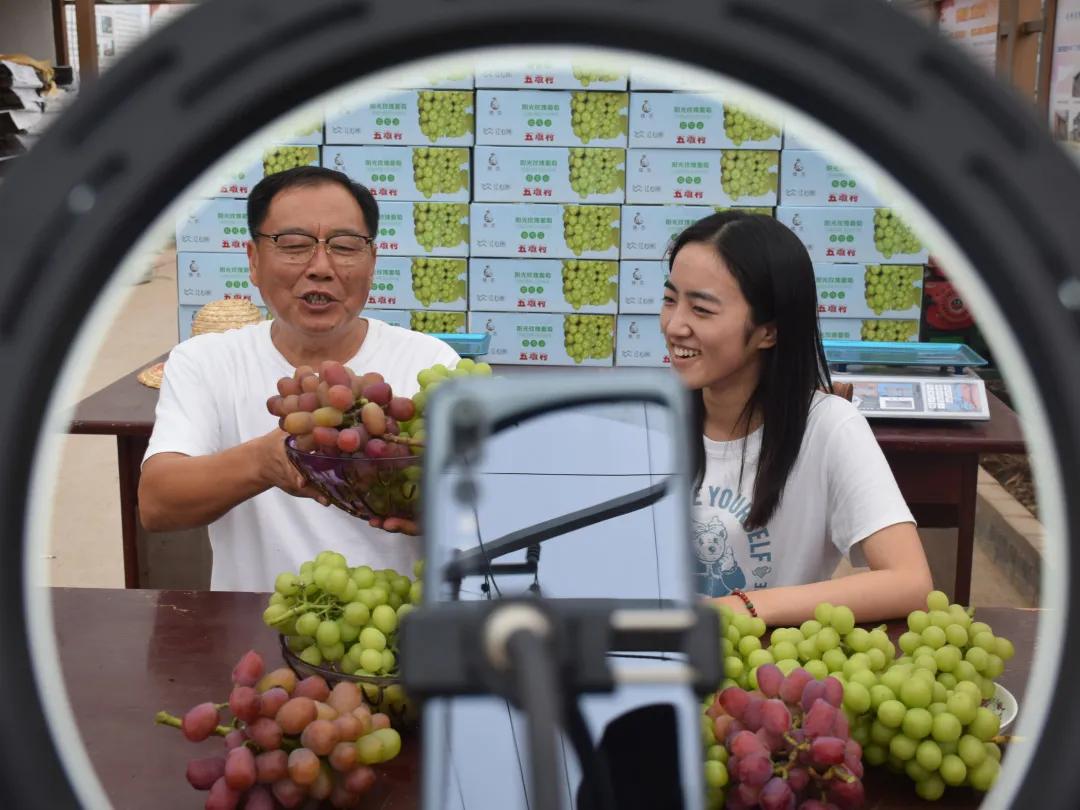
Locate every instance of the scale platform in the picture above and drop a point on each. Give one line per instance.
(926, 381)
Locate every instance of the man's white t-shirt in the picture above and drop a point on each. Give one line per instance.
(840, 491)
(213, 397)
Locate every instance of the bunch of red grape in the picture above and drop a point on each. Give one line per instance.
(289, 741)
(338, 412)
(783, 746)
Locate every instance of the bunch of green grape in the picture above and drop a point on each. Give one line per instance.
(740, 126)
(749, 172)
(599, 115)
(438, 280)
(893, 286)
(587, 77)
(920, 713)
(440, 224)
(590, 227)
(889, 330)
(281, 158)
(346, 618)
(892, 235)
(597, 171)
(589, 336)
(589, 283)
(440, 170)
(437, 322)
(429, 379)
(445, 113)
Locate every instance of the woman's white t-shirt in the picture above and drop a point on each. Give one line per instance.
(840, 491)
(213, 397)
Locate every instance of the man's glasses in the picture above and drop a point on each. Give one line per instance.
(298, 248)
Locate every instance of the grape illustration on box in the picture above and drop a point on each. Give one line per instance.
(717, 572)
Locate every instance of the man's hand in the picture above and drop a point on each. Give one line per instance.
(396, 524)
(278, 471)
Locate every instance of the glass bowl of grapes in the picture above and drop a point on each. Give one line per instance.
(384, 486)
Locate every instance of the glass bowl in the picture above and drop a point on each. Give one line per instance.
(383, 693)
(363, 487)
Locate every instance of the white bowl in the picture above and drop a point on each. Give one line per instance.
(1003, 704)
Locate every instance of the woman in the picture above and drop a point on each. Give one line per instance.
(789, 479)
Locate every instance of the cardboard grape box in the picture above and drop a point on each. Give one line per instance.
(400, 233)
(537, 339)
(689, 121)
(213, 226)
(844, 235)
(538, 118)
(185, 317)
(648, 230)
(394, 119)
(684, 177)
(639, 342)
(238, 183)
(641, 286)
(814, 179)
(549, 74)
(664, 80)
(412, 319)
(842, 290)
(396, 285)
(538, 231)
(856, 329)
(205, 277)
(529, 174)
(391, 172)
(535, 285)
(443, 79)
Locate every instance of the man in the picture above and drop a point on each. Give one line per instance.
(216, 456)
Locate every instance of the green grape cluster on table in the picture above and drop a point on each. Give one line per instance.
(749, 172)
(281, 158)
(589, 283)
(740, 126)
(892, 235)
(445, 113)
(590, 227)
(440, 224)
(893, 286)
(438, 280)
(600, 116)
(597, 170)
(589, 336)
(919, 711)
(588, 76)
(437, 322)
(888, 330)
(440, 170)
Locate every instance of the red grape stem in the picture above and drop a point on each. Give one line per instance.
(166, 719)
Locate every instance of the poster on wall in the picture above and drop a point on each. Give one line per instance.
(972, 25)
(1065, 77)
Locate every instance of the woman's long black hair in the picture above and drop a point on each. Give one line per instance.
(776, 278)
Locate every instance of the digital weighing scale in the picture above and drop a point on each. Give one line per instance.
(930, 381)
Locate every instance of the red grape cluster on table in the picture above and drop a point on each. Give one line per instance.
(289, 741)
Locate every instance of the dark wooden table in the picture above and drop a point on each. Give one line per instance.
(126, 654)
(935, 464)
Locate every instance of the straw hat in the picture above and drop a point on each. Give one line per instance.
(220, 316)
(151, 375)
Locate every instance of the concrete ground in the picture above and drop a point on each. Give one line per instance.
(85, 549)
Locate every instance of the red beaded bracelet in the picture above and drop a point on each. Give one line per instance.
(746, 601)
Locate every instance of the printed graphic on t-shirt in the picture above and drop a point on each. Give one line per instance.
(717, 572)
(724, 539)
